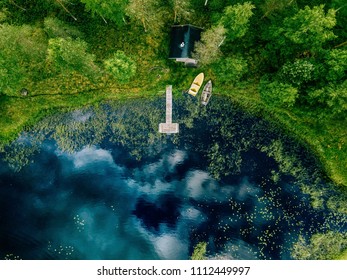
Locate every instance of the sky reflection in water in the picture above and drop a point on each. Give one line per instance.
(96, 203)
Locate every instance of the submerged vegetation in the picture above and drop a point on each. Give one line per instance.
(291, 199)
(283, 60)
(199, 251)
(325, 246)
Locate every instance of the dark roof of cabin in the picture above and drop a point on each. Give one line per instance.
(183, 38)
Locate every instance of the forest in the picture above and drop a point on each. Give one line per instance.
(284, 60)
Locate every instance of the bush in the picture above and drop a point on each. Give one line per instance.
(278, 94)
(122, 67)
(231, 69)
(298, 72)
(66, 55)
(336, 62)
(332, 97)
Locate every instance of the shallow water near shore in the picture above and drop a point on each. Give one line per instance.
(102, 183)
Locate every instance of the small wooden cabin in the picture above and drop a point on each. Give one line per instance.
(183, 38)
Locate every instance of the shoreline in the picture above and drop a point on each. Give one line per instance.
(65, 102)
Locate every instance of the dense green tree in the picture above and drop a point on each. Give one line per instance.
(63, 5)
(23, 11)
(336, 63)
(108, 10)
(207, 50)
(3, 15)
(341, 19)
(304, 33)
(122, 67)
(230, 69)
(270, 7)
(236, 19)
(147, 12)
(310, 27)
(213, 10)
(181, 10)
(331, 97)
(298, 72)
(277, 94)
(66, 55)
(215, 5)
(22, 52)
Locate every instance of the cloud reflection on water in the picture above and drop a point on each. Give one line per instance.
(109, 220)
(98, 202)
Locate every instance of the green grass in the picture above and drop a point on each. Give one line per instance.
(326, 139)
(19, 113)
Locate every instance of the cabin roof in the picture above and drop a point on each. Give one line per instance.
(183, 38)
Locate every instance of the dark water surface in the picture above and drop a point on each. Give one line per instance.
(102, 183)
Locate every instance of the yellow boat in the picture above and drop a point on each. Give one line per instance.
(194, 88)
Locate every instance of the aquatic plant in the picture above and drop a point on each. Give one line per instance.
(199, 251)
(321, 246)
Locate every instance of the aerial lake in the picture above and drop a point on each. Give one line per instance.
(102, 183)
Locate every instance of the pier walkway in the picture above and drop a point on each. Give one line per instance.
(168, 126)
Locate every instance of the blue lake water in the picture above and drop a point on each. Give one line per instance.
(102, 183)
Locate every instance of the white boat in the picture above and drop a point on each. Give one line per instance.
(206, 93)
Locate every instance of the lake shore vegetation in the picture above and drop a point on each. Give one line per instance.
(285, 59)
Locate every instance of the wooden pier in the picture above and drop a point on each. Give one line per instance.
(168, 127)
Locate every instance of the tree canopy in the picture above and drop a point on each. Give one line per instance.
(107, 10)
(207, 50)
(236, 19)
